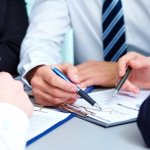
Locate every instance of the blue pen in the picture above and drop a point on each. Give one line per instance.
(79, 91)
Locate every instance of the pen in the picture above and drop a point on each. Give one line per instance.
(79, 91)
(121, 82)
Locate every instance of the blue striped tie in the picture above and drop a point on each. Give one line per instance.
(113, 30)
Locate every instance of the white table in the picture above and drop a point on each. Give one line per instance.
(77, 134)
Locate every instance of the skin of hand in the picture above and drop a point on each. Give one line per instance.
(99, 73)
(140, 74)
(51, 90)
(12, 92)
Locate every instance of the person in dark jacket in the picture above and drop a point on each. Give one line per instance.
(13, 25)
(139, 78)
(143, 121)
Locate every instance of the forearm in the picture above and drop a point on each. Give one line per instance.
(49, 22)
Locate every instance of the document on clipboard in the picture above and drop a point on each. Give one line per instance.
(121, 109)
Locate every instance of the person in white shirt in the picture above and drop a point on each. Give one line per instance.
(15, 111)
(50, 21)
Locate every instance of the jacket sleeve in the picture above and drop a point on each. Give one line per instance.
(15, 25)
(143, 121)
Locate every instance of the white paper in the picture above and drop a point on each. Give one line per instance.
(120, 108)
(43, 119)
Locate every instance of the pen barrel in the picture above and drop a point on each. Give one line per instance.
(60, 74)
(124, 78)
(86, 97)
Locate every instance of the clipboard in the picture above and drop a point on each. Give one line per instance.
(126, 103)
(84, 115)
(124, 110)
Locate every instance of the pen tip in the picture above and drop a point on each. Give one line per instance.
(97, 105)
(115, 92)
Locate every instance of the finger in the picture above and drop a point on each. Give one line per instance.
(71, 71)
(41, 101)
(45, 99)
(51, 90)
(51, 100)
(71, 101)
(128, 86)
(139, 63)
(123, 62)
(52, 79)
(60, 83)
(122, 65)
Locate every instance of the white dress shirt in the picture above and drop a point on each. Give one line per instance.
(13, 127)
(51, 19)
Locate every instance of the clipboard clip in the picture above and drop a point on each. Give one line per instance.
(79, 110)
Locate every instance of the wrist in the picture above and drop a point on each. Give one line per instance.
(31, 73)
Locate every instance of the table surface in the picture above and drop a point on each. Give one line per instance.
(77, 134)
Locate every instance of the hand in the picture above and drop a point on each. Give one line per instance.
(49, 89)
(97, 73)
(12, 92)
(139, 76)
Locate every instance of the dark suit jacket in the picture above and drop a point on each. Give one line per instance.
(143, 121)
(13, 25)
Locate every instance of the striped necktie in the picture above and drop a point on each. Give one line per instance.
(114, 42)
